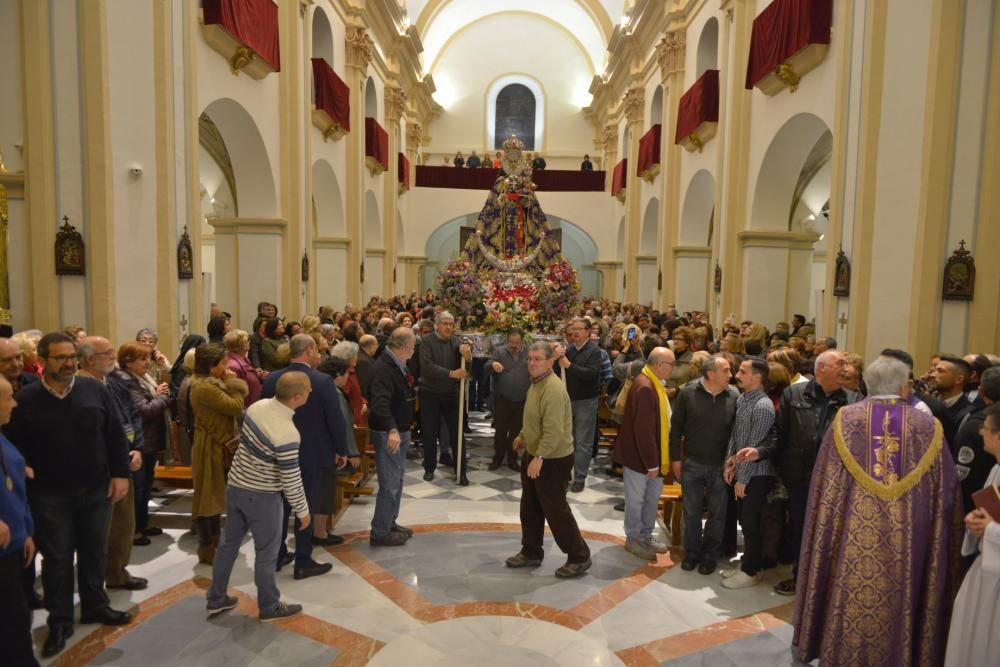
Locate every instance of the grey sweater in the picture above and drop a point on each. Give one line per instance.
(512, 384)
(438, 357)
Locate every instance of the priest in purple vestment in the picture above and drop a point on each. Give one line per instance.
(878, 570)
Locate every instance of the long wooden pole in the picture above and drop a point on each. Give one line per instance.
(460, 462)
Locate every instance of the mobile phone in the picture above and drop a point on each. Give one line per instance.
(631, 333)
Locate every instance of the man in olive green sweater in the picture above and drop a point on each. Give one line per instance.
(546, 469)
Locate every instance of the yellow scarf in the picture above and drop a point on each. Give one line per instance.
(661, 394)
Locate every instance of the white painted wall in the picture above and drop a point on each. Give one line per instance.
(465, 71)
(900, 161)
(133, 132)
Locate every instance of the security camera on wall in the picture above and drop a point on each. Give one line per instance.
(135, 171)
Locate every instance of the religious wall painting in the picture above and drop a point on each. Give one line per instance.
(717, 287)
(305, 267)
(959, 275)
(70, 254)
(185, 257)
(515, 115)
(842, 275)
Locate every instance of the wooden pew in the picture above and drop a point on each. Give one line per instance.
(672, 507)
(175, 476)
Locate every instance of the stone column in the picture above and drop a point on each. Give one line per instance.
(632, 104)
(731, 200)
(395, 106)
(359, 55)
(609, 142)
(670, 57)
(293, 168)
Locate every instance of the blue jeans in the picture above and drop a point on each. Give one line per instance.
(798, 498)
(390, 468)
(75, 522)
(703, 483)
(642, 495)
(584, 426)
(260, 513)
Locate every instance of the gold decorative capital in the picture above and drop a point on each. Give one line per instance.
(359, 47)
(670, 53)
(632, 104)
(609, 138)
(395, 103)
(414, 135)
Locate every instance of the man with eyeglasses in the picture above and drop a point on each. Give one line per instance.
(69, 433)
(97, 360)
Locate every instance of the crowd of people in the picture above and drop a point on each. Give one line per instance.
(475, 161)
(745, 419)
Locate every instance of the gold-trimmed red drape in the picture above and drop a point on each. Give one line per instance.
(376, 142)
(700, 104)
(619, 177)
(252, 22)
(784, 28)
(403, 165)
(649, 150)
(332, 95)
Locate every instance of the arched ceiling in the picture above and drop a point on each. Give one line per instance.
(589, 22)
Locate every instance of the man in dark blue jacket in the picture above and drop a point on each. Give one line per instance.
(580, 361)
(321, 426)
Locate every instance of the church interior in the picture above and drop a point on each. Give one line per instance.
(744, 159)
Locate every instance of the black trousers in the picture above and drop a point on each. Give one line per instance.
(544, 499)
(751, 512)
(15, 615)
(432, 410)
(507, 417)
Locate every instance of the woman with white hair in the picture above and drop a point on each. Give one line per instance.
(348, 351)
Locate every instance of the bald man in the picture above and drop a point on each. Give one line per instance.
(644, 447)
(12, 365)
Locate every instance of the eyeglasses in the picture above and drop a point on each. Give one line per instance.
(62, 358)
(106, 353)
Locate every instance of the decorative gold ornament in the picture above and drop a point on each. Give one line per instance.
(633, 103)
(787, 76)
(243, 56)
(359, 48)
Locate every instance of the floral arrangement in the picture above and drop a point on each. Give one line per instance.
(510, 301)
(559, 293)
(459, 289)
(495, 302)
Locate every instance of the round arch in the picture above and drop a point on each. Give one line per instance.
(373, 221)
(650, 228)
(501, 82)
(322, 36)
(248, 156)
(621, 239)
(371, 99)
(708, 48)
(400, 238)
(327, 201)
(699, 206)
(780, 170)
(656, 106)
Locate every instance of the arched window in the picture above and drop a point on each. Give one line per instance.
(515, 114)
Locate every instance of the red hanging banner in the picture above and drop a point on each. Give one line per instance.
(252, 22)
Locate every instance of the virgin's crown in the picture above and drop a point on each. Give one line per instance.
(513, 143)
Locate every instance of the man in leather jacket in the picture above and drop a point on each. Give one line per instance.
(804, 414)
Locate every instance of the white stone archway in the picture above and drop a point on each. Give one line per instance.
(648, 251)
(374, 250)
(330, 249)
(694, 254)
(780, 254)
(322, 36)
(708, 48)
(499, 84)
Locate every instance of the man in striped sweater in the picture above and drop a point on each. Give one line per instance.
(266, 466)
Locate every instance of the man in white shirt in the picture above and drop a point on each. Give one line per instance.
(266, 466)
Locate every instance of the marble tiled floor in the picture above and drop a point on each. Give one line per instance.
(445, 599)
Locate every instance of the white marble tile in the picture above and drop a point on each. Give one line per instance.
(495, 641)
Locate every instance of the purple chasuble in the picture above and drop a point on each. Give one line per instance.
(878, 571)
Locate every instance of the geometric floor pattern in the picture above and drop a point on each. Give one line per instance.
(445, 599)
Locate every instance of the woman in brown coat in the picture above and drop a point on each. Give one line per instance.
(216, 401)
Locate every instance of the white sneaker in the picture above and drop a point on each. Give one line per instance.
(741, 580)
(728, 572)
